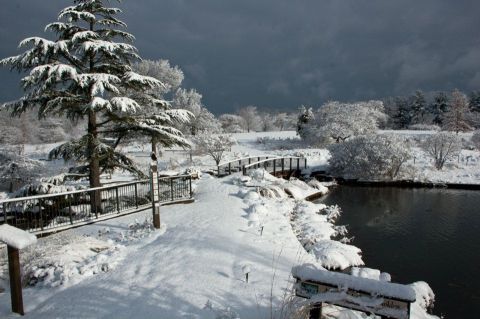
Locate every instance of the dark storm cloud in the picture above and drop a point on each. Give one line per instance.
(283, 53)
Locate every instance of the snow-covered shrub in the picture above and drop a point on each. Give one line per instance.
(231, 123)
(194, 172)
(441, 147)
(214, 145)
(476, 139)
(337, 122)
(16, 168)
(369, 157)
(424, 127)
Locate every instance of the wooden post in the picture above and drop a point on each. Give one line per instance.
(15, 280)
(155, 197)
(316, 312)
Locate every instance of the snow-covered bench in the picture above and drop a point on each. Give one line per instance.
(368, 295)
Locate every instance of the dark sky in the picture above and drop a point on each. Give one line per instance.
(284, 53)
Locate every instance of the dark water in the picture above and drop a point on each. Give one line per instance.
(419, 234)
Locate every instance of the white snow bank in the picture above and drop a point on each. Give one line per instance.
(314, 227)
(309, 272)
(425, 299)
(16, 237)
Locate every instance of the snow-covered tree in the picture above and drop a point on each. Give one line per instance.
(267, 121)
(213, 145)
(457, 118)
(439, 107)
(283, 121)
(476, 139)
(231, 123)
(340, 121)
(250, 116)
(305, 122)
(203, 121)
(474, 101)
(418, 106)
(16, 168)
(369, 157)
(441, 147)
(171, 76)
(403, 116)
(85, 73)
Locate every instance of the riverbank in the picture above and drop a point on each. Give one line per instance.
(323, 177)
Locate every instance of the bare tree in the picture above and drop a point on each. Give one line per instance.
(213, 145)
(441, 147)
(457, 117)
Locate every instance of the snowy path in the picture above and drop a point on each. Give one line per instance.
(198, 258)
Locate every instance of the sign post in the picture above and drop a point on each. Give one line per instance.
(15, 239)
(155, 192)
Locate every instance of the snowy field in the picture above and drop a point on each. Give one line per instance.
(196, 265)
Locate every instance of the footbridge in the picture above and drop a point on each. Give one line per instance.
(286, 166)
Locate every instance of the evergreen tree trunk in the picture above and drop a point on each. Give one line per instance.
(154, 145)
(94, 164)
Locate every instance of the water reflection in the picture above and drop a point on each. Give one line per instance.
(419, 234)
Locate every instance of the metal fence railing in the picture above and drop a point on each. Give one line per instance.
(52, 212)
(278, 165)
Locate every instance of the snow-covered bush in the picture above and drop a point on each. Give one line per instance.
(441, 147)
(337, 122)
(231, 123)
(424, 127)
(369, 157)
(476, 139)
(213, 145)
(16, 168)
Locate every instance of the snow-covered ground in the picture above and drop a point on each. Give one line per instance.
(196, 265)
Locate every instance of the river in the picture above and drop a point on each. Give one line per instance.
(419, 234)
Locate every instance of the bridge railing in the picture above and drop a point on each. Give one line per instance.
(227, 168)
(278, 165)
(53, 212)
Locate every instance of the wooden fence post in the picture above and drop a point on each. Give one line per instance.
(15, 280)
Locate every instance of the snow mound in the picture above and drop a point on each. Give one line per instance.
(336, 255)
(68, 260)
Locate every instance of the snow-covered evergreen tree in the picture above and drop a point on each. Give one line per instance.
(203, 121)
(418, 106)
(86, 73)
(305, 120)
(439, 107)
(457, 118)
(16, 168)
(403, 116)
(474, 101)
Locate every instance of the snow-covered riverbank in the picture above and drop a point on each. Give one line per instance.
(194, 267)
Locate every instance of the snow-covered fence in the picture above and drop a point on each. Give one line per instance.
(227, 168)
(53, 212)
(278, 165)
